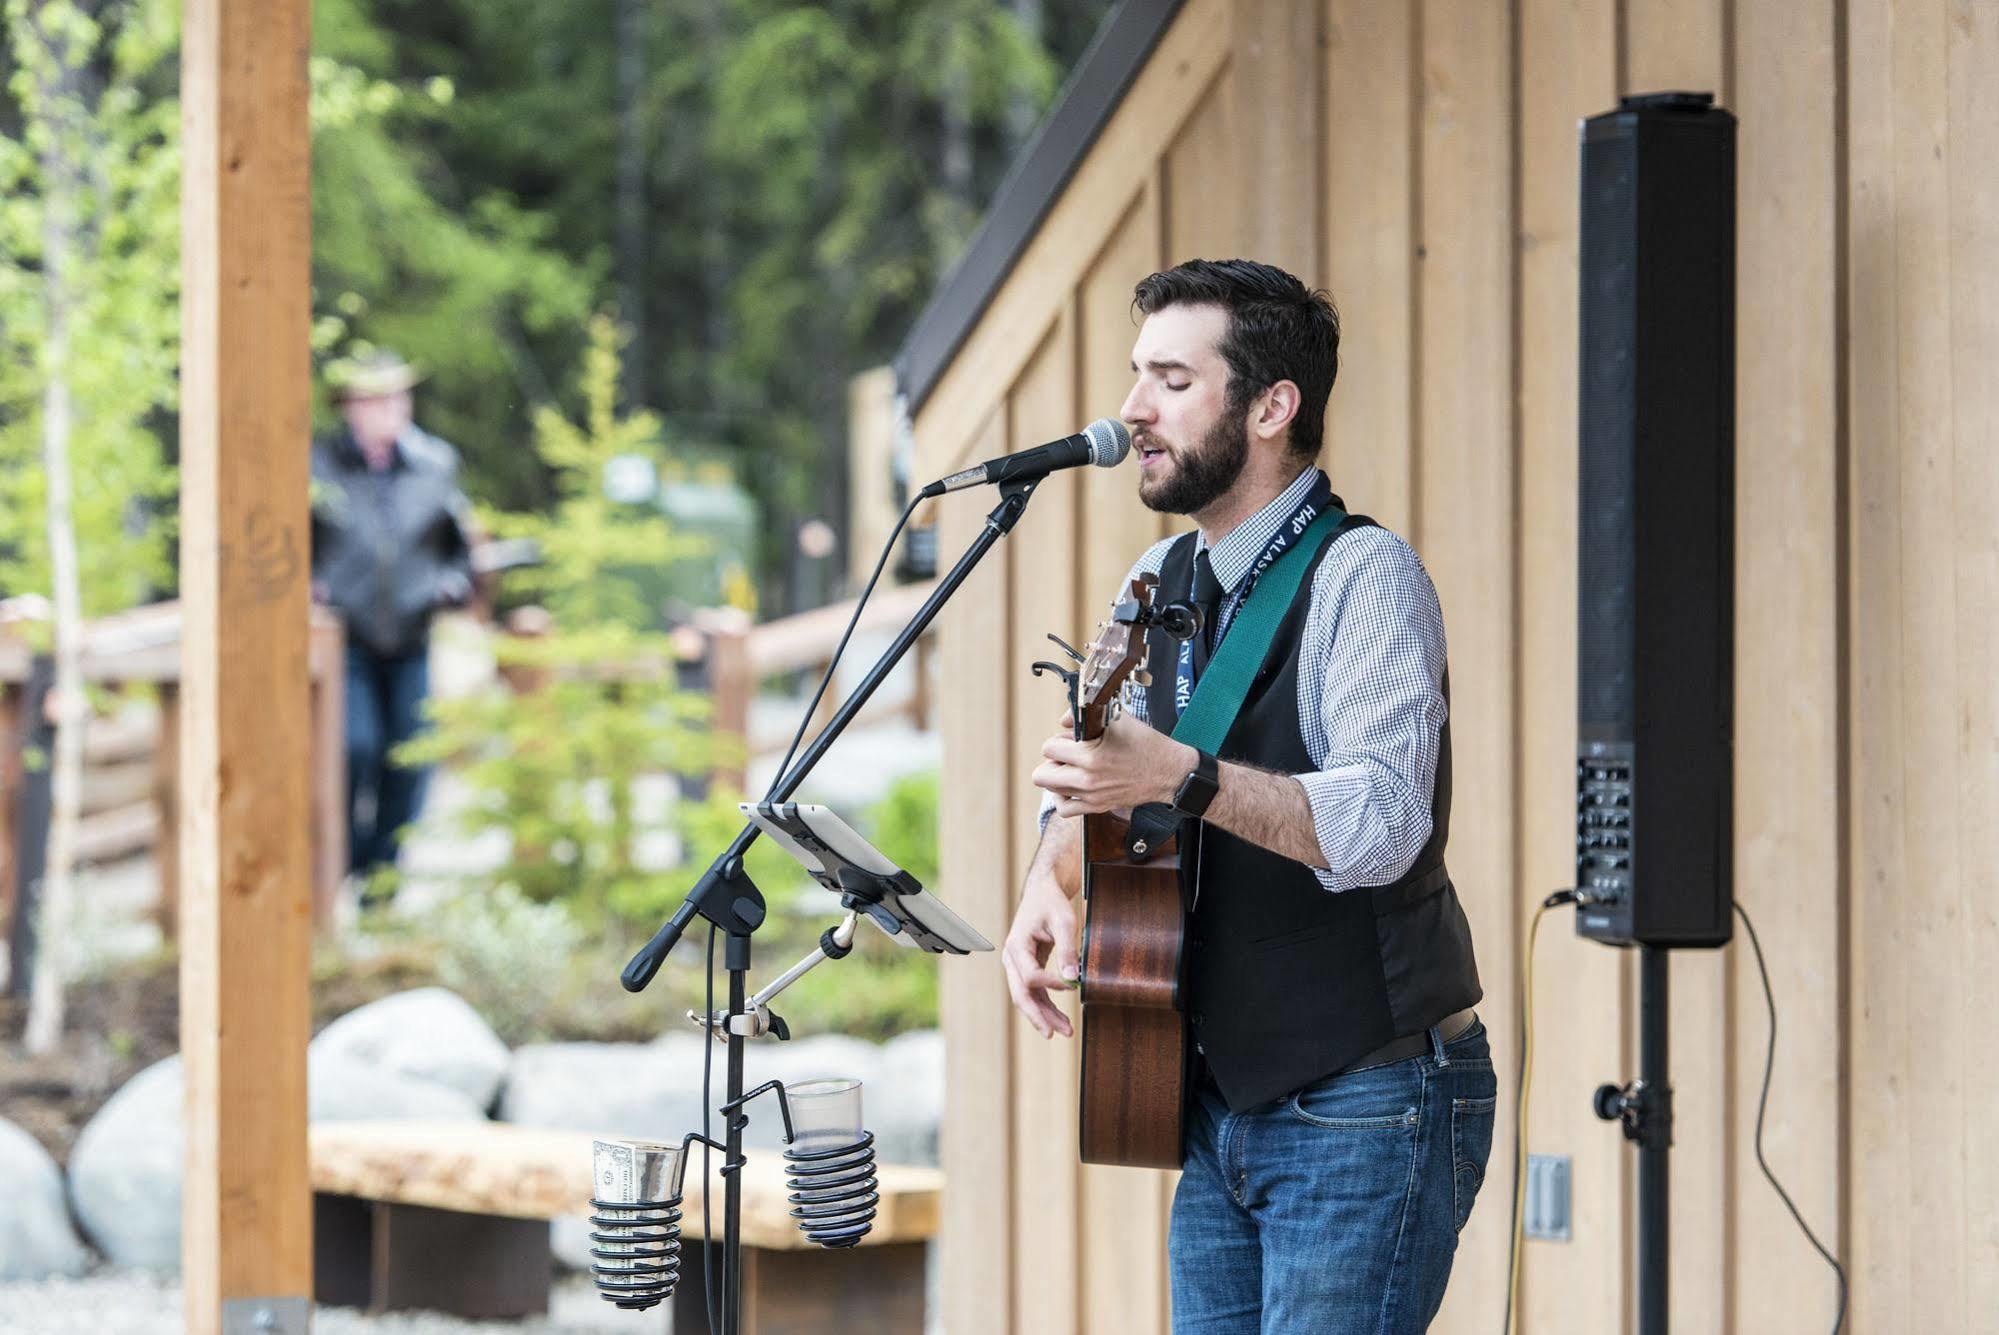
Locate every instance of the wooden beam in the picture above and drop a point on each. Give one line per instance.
(245, 851)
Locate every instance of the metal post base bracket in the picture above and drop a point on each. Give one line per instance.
(266, 1316)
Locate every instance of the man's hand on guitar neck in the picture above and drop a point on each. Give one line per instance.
(1130, 765)
(1040, 950)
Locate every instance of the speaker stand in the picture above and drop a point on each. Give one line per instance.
(1645, 1109)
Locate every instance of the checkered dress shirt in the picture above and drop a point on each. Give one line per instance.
(1370, 695)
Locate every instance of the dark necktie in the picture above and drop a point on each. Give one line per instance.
(1207, 597)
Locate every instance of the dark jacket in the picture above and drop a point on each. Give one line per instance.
(390, 548)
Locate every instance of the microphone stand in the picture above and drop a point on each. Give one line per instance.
(729, 900)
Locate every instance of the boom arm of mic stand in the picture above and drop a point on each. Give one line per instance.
(719, 895)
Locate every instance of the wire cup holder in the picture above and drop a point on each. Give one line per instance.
(635, 1221)
(834, 1191)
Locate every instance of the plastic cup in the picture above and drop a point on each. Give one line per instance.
(825, 1114)
(634, 1178)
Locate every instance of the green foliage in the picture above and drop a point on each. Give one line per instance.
(770, 205)
(593, 548)
(491, 942)
(93, 171)
(903, 824)
(562, 767)
(464, 282)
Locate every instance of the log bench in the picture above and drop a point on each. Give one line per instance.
(454, 1216)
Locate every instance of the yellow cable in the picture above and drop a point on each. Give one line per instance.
(1520, 1114)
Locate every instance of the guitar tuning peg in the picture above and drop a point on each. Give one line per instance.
(1068, 648)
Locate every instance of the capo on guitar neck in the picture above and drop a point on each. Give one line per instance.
(1072, 678)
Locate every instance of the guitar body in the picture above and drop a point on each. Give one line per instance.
(1135, 1041)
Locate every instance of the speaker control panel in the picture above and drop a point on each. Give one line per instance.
(1603, 824)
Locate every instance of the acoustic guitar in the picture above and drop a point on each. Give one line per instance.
(1134, 1035)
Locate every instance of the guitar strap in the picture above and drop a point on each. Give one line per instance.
(1219, 694)
(1222, 688)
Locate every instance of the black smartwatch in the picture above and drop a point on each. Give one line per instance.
(1198, 789)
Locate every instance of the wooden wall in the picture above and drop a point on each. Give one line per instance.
(1420, 161)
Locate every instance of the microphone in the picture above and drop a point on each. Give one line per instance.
(1104, 442)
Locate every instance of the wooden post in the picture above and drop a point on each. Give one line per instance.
(732, 683)
(12, 771)
(871, 503)
(246, 869)
(166, 798)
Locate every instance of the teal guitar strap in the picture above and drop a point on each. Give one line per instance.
(1219, 694)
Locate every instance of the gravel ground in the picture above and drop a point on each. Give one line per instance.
(128, 1302)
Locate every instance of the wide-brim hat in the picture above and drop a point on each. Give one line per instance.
(371, 375)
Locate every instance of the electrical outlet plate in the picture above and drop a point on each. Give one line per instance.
(1546, 1214)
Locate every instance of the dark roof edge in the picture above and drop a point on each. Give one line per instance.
(1036, 180)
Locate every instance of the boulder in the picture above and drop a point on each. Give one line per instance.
(125, 1172)
(37, 1240)
(342, 1088)
(647, 1091)
(428, 1034)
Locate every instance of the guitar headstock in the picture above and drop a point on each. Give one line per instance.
(1116, 655)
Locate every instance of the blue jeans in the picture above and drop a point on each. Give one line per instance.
(1334, 1211)
(385, 696)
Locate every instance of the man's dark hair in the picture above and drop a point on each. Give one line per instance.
(1278, 330)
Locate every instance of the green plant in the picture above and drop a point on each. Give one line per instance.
(496, 949)
(903, 824)
(572, 765)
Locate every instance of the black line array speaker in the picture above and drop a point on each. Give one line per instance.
(1656, 670)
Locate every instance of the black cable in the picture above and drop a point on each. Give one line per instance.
(1762, 1102)
(707, 1102)
(806, 718)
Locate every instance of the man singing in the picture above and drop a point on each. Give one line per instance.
(1341, 1116)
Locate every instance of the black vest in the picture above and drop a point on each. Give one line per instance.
(1288, 982)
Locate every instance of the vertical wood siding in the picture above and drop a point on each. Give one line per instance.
(1434, 194)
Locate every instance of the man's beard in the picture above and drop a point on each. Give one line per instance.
(1202, 475)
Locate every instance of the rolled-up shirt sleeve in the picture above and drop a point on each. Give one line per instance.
(1372, 718)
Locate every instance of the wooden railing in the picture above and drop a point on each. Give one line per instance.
(132, 782)
(132, 779)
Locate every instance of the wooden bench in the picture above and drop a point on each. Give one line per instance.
(454, 1216)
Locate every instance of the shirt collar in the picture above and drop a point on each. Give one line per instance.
(1233, 556)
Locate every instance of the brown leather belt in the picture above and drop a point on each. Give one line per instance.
(1412, 1045)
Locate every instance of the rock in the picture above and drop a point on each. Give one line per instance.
(645, 1091)
(125, 1172)
(428, 1034)
(37, 1240)
(342, 1088)
(637, 1091)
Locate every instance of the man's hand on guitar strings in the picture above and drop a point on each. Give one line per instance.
(1040, 953)
(1130, 765)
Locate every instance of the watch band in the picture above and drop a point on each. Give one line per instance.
(1198, 789)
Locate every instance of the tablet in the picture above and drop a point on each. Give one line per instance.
(834, 854)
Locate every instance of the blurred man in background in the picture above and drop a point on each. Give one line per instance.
(391, 547)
